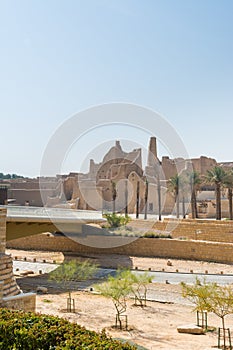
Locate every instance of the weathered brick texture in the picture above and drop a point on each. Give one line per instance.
(151, 247)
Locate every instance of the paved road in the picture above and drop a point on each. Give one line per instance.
(176, 278)
(155, 292)
(161, 277)
(32, 266)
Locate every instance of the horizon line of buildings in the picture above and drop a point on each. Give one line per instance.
(93, 190)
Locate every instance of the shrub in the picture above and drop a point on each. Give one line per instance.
(151, 234)
(28, 331)
(115, 220)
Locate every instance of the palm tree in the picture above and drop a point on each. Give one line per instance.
(216, 176)
(137, 199)
(174, 188)
(114, 195)
(157, 177)
(183, 189)
(230, 202)
(194, 182)
(159, 197)
(228, 182)
(146, 199)
(126, 197)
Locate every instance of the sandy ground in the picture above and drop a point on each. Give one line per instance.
(154, 327)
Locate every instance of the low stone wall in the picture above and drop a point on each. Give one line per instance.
(2, 230)
(205, 230)
(208, 230)
(10, 296)
(150, 247)
(25, 302)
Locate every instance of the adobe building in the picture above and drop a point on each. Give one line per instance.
(3, 193)
(26, 191)
(120, 171)
(124, 170)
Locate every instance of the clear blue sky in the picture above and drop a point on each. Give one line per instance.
(60, 57)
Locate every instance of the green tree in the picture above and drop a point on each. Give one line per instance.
(139, 283)
(216, 176)
(117, 289)
(221, 304)
(114, 195)
(159, 193)
(199, 294)
(228, 183)
(126, 197)
(195, 181)
(72, 271)
(146, 199)
(10, 176)
(183, 188)
(211, 297)
(137, 199)
(174, 188)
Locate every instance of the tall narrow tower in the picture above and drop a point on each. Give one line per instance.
(152, 154)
